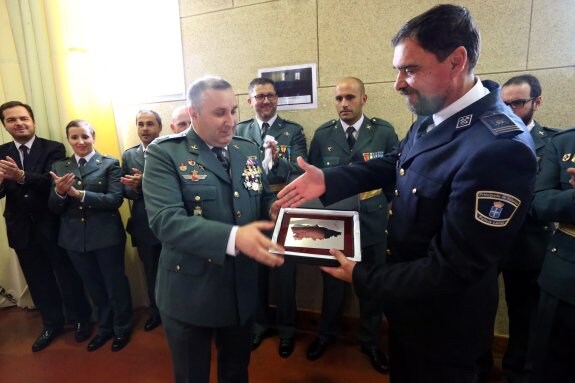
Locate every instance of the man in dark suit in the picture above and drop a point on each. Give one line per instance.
(464, 177)
(521, 266)
(149, 125)
(33, 231)
(290, 144)
(354, 138)
(204, 189)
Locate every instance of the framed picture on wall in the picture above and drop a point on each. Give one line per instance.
(308, 234)
(296, 85)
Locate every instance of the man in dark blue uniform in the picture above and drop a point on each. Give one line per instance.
(290, 144)
(521, 266)
(464, 177)
(554, 336)
(354, 138)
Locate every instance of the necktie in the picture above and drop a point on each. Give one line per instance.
(81, 162)
(423, 128)
(350, 137)
(24, 151)
(265, 128)
(220, 153)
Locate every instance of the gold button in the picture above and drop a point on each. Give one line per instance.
(386, 232)
(197, 198)
(414, 191)
(178, 267)
(79, 182)
(209, 260)
(236, 194)
(401, 172)
(554, 250)
(390, 212)
(545, 228)
(388, 252)
(82, 219)
(396, 192)
(328, 163)
(238, 214)
(99, 182)
(80, 207)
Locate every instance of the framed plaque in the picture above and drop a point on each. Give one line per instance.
(308, 234)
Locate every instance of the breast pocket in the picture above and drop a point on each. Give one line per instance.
(331, 161)
(423, 197)
(97, 185)
(200, 200)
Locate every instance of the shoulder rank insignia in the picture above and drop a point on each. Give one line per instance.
(493, 208)
(500, 124)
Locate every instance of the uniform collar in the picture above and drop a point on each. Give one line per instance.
(477, 92)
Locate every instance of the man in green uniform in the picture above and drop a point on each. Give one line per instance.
(290, 143)
(203, 190)
(353, 138)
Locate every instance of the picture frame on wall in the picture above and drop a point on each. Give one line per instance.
(296, 85)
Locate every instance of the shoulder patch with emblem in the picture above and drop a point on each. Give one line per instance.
(493, 208)
(500, 124)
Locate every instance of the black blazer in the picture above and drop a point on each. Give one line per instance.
(27, 204)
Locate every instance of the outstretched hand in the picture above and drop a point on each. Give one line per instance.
(345, 269)
(310, 185)
(253, 243)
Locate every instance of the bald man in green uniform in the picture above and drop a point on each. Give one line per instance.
(353, 138)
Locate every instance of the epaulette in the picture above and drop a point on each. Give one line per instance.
(290, 122)
(170, 137)
(500, 124)
(563, 131)
(246, 121)
(328, 124)
(244, 139)
(551, 130)
(380, 122)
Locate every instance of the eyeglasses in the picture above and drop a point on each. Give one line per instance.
(269, 96)
(518, 104)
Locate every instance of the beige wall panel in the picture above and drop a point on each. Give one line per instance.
(242, 3)
(504, 28)
(557, 95)
(234, 46)
(196, 7)
(552, 39)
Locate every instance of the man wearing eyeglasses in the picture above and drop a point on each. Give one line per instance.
(289, 144)
(521, 266)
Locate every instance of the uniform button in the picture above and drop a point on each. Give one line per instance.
(546, 228)
(414, 191)
(396, 192)
(238, 214)
(197, 198)
(209, 260)
(328, 163)
(236, 194)
(25, 195)
(388, 252)
(554, 250)
(390, 212)
(178, 267)
(80, 207)
(386, 232)
(380, 206)
(82, 219)
(401, 172)
(79, 182)
(99, 182)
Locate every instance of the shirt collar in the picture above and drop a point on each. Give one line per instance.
(270, 121)
(474, 94)
(87, 158)
(27, 144)
(356, 126)
(530, 125)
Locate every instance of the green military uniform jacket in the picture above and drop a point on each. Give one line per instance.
(291, 144)
(95, 223)
(192, 204)
(329, 148)
(531, 242)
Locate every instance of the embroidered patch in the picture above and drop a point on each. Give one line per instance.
(500, 124)
(494, 208)
(566, 157)
(463, 121)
